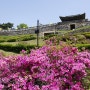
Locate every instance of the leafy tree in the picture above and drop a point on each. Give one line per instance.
(6, 26)
(9, 25)
(22, 26)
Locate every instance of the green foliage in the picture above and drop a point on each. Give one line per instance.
(80, 39)
(49, 36)
(26, 37)
(22, 26)
(17, 38)
(2, 40)
(81, 30)
(87, 36)
(86, 80)
(83, 46)
(84, 27)
(9, 25)
(6, 25)
(72, 39)
(16, 48)
(11, 40)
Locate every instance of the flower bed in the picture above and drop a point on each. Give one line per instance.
(46, 68)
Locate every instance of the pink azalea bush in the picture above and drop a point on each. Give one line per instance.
(46, 68)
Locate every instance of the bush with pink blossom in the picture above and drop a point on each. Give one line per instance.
(46, 68)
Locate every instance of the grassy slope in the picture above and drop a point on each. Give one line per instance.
(41, 42)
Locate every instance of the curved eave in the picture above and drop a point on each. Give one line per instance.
(73, 17)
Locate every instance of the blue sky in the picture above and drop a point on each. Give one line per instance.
(47, 11)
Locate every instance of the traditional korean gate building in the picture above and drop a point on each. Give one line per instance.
(72, 22)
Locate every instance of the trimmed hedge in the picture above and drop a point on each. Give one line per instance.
(16, 48)
(49, 36)
(28, 38)
(87, 36)
(12, 40)
(17, 38)
(81, 46)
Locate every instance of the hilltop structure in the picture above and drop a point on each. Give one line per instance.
(71, 22)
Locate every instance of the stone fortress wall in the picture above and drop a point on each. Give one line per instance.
(30, 30)
(47, 28)
(66, 25)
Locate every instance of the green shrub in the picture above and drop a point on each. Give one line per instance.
(74, 38)
(48, 36)
(87, 36)
(83, 46)
(2, 40)
(17, 38)
(16, 48)
(80, 37)
(7, 47)
(28, 38)
(12, 40)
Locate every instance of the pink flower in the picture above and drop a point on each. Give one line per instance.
(1, 86)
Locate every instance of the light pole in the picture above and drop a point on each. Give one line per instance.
(37, 32)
